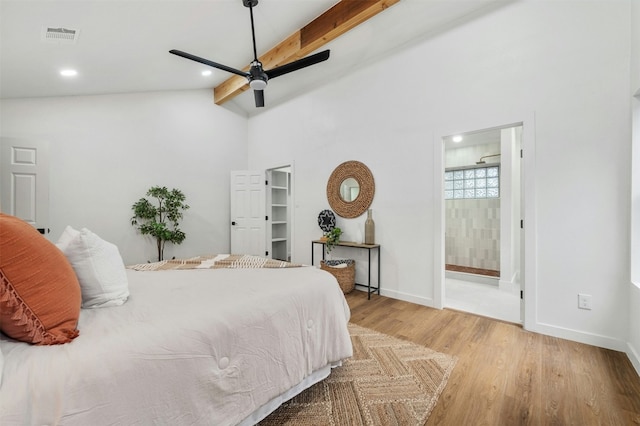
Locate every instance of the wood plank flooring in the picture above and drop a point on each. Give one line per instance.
(506, 375)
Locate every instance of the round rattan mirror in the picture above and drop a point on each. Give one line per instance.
(343, 175)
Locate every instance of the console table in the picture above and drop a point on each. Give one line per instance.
(367, 247)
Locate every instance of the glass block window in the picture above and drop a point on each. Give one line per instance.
(480, 182)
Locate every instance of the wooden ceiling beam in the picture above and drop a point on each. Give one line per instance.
(336, 21)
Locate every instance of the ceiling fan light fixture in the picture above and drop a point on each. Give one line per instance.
(257, 84)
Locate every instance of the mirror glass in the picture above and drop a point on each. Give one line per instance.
(349, 189)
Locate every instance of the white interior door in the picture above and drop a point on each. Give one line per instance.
(24, 180)
(248, 217)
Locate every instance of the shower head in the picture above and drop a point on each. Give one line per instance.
(481, 161)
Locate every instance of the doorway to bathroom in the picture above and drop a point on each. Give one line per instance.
(482, 218)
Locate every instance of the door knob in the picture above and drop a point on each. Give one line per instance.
(233, 223)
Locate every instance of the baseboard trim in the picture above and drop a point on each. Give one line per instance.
(634, 357)
(581, 337)
(406, 297)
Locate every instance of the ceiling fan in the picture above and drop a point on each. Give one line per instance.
(257, 76)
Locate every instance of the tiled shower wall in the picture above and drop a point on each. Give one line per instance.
(473, 233)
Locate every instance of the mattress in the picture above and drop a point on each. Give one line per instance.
(198, 346)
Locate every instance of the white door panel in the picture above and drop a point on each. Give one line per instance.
(248, 212)
(24, 180)
(24, 205)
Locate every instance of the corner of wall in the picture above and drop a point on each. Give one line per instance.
(634, 357)
(633, 340)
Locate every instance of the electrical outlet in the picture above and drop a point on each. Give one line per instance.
(584, 301)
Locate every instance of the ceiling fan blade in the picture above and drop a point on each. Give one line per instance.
(208, 62)
(259, 96)
(299, 64)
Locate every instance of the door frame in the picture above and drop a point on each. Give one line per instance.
(291, 204)
(528, 256)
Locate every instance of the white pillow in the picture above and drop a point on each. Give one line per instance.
(67, 236)
(98, 266)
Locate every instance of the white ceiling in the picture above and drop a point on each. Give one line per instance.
(123, 44)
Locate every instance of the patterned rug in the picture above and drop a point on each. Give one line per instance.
(388, 381)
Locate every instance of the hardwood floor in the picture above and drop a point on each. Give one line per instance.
(506, 375)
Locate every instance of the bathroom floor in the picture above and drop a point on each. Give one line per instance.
(482, 299)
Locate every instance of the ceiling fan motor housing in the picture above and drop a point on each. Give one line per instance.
(257, 77)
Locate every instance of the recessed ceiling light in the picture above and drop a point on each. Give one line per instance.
(457, 138)
(68, 73)
(207, 73)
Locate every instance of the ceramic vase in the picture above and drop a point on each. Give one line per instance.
(369, 229)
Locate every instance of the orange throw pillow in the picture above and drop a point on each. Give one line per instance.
(39, 291)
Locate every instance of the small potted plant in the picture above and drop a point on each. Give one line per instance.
(333, 237)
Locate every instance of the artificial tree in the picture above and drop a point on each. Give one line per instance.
(160, 218)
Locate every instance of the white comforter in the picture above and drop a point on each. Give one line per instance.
(190, 347)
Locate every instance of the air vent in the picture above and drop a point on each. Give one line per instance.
(60, 35)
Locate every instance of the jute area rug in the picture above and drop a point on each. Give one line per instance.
(388, 381)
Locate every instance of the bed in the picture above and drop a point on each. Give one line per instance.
(195, 346)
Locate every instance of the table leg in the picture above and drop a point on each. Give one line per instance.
(369, 280)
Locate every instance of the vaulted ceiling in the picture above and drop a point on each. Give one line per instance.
(122, 45)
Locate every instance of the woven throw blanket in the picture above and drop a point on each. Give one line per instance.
(233, 261)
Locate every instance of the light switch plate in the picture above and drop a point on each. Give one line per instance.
(584, 301)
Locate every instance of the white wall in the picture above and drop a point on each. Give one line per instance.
(469, 155)
(634, 17)
(634, 287)
(567, 63)
(106, 151)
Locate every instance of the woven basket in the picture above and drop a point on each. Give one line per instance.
(346, 276)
